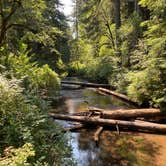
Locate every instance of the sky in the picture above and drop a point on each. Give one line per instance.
(67, 9)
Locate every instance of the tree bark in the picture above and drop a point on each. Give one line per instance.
(146, 126)
(118, 95)
(128, 113)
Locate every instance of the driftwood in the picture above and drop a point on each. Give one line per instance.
(85, 84)
(118, 95)
(147, 126)
(97, 134)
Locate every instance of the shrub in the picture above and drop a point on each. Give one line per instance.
(100, 69)
(76, 68)
(19, 156)
(147, 87)
(23, 121)
(34, 77)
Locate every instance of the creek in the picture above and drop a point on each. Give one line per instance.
(128, 148)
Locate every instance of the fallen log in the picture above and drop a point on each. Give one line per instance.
(97, 134)
(127, 113)
(119, 95)
(153, 127)
(123, 113)
(85, 84)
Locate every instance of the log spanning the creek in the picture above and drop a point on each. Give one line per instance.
(146, 126)
(85, 84)
(128, 113)
(123, 113)
(118, 95)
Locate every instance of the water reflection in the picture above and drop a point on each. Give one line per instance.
(114, 150)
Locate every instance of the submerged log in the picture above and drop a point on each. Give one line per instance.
(85, 84)
(153, 127)
(119, 95)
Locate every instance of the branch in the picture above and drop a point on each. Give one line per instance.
(110, 32)
(20, 26)
(108, 26)
(103, 44)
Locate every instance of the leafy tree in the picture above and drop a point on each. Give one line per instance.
(40, 24)
(148, 83)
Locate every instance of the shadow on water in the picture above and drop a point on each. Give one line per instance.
(113, 150)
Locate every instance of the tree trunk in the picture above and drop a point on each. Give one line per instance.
(3, 30)
(120, 96)
(128, 113)
(146, 126)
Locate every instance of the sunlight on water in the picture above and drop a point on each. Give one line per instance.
(128, 148)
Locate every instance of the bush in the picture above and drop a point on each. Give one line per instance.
(34, 77)
(148, 88)
(23, 122)
(100, 69)
(45, 78)
(76, 68)
(19, 156)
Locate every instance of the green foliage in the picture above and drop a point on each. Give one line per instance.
(76, 68)
(34, 77)
(149, 82)
(40, 24)
(45, 78)
(24, 120)
(137, 66)
(16, 157)
(27, 135)
(100, 70)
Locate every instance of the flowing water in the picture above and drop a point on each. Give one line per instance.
(128, 148)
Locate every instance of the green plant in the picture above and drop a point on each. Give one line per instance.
(34, 77)
(24, 120)
(17, 157)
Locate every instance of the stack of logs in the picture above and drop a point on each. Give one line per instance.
(146, 120)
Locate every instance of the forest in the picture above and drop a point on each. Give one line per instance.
(121, 43)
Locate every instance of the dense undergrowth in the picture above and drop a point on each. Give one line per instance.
(27, 135)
